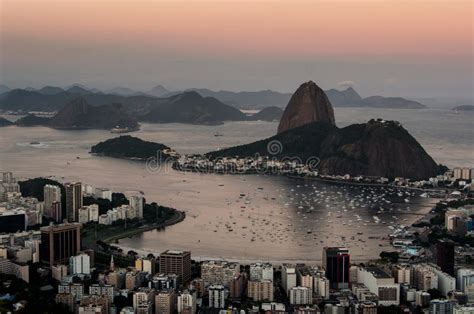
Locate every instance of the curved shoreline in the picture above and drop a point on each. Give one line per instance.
(179, 216)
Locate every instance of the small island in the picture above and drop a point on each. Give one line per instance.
(129, 147)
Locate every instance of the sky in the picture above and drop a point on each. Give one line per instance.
(415, 48)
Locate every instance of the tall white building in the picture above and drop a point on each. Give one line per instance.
(83, 215)
(217, 296)
(300, 295)
(93, 212)
(288, 277)
(261, 271)
(52, 193)
(136, 206)
(321, 287)
(103, 193)
(80, 264)
(465, 278)
(381, 284)
(187, 301)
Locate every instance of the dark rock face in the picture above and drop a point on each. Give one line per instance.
(377, 148)
(307, 105)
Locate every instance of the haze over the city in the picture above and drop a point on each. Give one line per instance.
(393, 48)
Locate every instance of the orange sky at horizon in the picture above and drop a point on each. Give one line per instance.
(257, 29)
(389, 47)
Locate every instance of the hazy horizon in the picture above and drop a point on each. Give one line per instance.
(417, 49)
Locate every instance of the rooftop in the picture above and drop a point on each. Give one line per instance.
(377, 272)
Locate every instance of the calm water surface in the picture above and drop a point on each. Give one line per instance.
(245, 217)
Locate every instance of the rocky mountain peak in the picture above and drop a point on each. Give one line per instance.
(307, 105)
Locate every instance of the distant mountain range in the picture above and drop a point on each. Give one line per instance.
(345, 98)
(50, 98)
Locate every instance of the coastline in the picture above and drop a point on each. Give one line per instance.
(178, 217)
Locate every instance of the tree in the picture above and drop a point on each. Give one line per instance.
(435, 294)
(391, 257)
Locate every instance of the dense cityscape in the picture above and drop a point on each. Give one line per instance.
(56, 253)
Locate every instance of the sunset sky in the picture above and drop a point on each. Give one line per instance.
(415, 48)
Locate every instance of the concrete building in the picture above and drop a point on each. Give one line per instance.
(423, 278)
(133, 279)
(73, 200)
(367, 308)
(422, 298)
(76, 289)
(17, 269)
(59, 271)
(237, 286)
(288, 277)
(273, 307)
(145, 265)
(260, 290)
(103, 193)
(136, 206)
(218, 272)
(464, 278)
(217, 296)
(381, 284)
(102, 290)
(56, 212)
(321, 287)
(430, 276)
(456, 221)
(300, 296)
(176, 262)
(165, 281)
(143, 296)
(441, 306)
(94, 304)
(463, 309)
(165, 301)
(261, 271)
(187, 301)
(60, 242)
(401, 273)
(305, 276)
(52, 194)
(80, 264)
